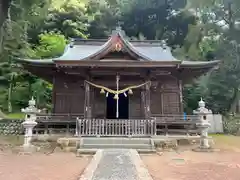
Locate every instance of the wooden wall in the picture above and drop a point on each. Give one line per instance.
(98, 104)
(135, 105)
(68, 96)
(166, 96)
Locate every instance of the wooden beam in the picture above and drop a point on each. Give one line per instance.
(119, 64)
(111, 71)
(122, 83)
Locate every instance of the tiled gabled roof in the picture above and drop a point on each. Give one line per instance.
(143, 50)
(82, 50)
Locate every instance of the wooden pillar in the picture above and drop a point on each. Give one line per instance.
(87, 109)
(148, 101)
(143, 102)
(46, 129)
(180, 96)
(54, 95)
(67, 129)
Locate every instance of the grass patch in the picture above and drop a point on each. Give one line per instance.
(16, 116)
(218, 135)
(226, 141)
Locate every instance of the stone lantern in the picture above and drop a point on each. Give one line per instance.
(203, 124)
(29, 123)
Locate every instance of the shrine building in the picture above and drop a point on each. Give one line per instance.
(117, 78)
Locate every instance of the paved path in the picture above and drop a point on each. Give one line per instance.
(116, 164)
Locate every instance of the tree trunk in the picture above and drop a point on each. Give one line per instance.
(230, 16)
(4, 10)
(10, 98)
(10, 93)
(234, 101)
(4, 15)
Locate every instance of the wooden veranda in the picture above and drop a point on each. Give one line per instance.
(79, 126)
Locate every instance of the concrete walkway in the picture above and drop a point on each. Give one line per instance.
(116, 164)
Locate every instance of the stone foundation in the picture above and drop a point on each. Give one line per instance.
(11, 127)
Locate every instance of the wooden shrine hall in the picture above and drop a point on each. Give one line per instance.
(125, 85)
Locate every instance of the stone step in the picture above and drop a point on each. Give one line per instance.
(119, 146)
(92, 151)
(86, 151)
(115, 140)
(146, 151)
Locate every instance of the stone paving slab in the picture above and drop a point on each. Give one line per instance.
(116, 164)
(141, 169)
(90, 169)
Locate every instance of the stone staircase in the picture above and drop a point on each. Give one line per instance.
(92, 144)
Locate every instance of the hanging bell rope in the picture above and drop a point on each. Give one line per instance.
(102, 91)
(117, 92)
(116, 96)
(129, 89)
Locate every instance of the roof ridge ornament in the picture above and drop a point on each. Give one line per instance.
(118, 30)
(71, 44)
(164, 44)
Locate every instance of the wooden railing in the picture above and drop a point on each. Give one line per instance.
(116, 127)
(176, 124)
(161, 118)
(55, 118)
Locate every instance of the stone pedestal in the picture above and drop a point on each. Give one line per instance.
(203, 125)
(29, 124)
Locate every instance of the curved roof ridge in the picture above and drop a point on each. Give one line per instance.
(102, 48)
(27, 60)
(197, 63)
(67, 47)
(131, 47)
(136, 51)
(187, 61)
(65, 52)
(105, 46)
(153, 52)
(70, 46)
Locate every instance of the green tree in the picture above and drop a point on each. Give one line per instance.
(221, 19)
(154, 19)
(50, 45)
(21, 16)
(68, 17)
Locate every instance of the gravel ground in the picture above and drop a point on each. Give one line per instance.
(58, 166)
(115, 165)
(191, 165)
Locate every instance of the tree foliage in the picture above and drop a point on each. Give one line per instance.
(196, 30)
(220, 20)
(67, 17)
(50, 45)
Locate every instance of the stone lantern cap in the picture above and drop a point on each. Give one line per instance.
(202, 108)
(31, 109)
(201, 104)
(32, 102)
